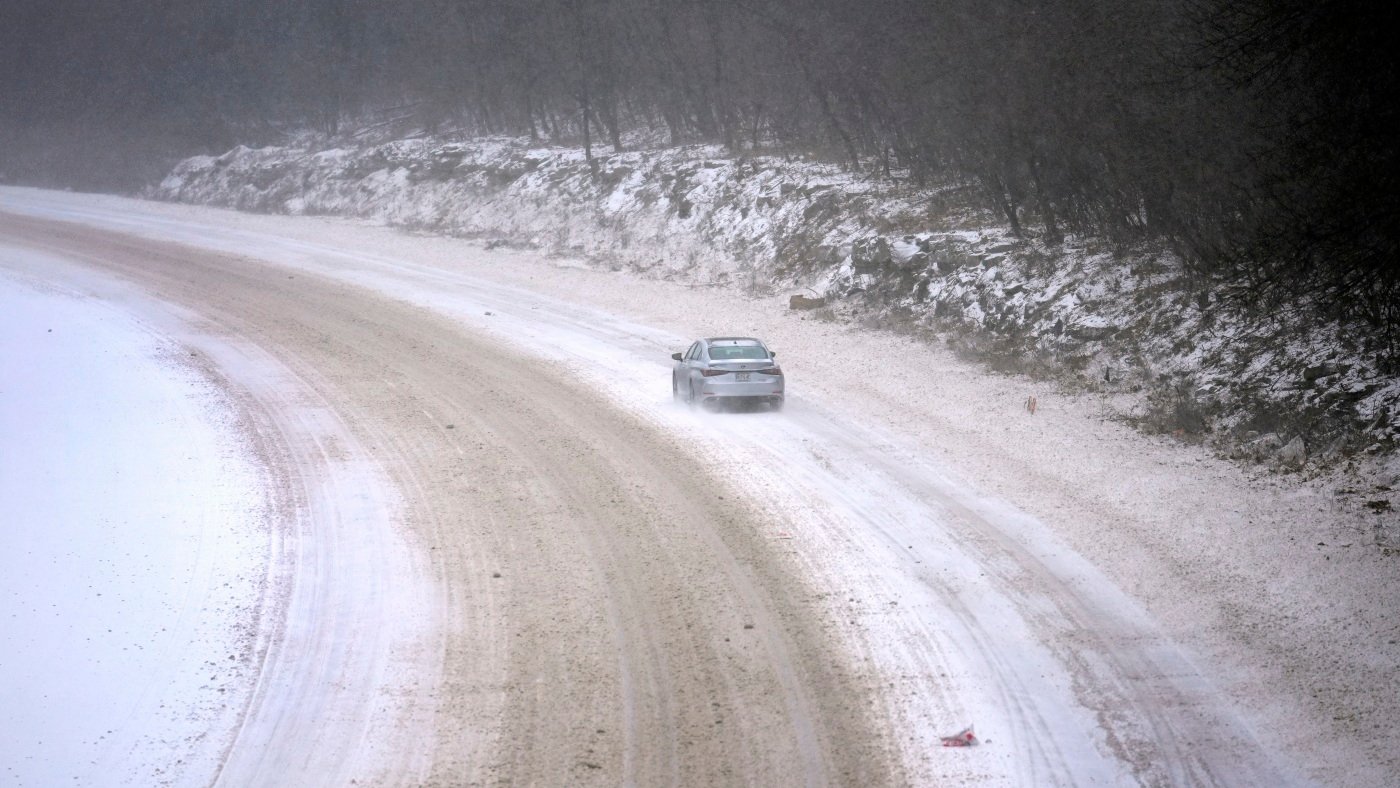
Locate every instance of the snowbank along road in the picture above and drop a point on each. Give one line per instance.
(503, 555)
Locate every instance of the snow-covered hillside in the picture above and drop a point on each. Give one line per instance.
(1175, 354)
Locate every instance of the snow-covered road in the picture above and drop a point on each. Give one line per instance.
(916, 553)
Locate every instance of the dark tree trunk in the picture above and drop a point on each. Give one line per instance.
(585, 112)
(1047, 209)
(996, 189)
(607, 117)
(527, 96)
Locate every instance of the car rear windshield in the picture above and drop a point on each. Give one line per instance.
(737, 352)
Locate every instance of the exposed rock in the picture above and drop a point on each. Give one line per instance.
(1361, 393)
(1092, 333)
(1263, 447)
(916, 262)
(1389, 474)
(1320, 371)
(800, 301)
(608, 178)
(921, 290)
(820, 208)
(1294, 455)
(949, 257)
(870, 255)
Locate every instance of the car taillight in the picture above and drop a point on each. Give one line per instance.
(770, 371)
(709, 373)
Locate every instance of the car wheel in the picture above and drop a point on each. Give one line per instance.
(775, 405)
(676, 390)
(694, 399)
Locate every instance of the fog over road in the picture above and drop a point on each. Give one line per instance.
(507, 557)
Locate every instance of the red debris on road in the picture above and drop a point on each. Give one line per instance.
(963, 738)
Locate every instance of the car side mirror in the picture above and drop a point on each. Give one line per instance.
(772, 354)
(676, 356)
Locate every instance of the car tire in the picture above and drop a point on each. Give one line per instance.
(775, 405)
(676, 390)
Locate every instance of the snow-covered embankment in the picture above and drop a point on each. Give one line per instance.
(1179, 354)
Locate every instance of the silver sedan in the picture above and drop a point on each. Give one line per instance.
(721, 370)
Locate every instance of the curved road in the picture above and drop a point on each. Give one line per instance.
(603, 616)
(558, 591)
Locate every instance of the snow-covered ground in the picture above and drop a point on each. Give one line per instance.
(177, 609)
(1104, 608)
(134, 547)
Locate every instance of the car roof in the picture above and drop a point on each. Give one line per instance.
(733, 341)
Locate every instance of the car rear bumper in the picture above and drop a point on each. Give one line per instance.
(753, 389)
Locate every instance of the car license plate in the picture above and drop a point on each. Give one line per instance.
(741, 376)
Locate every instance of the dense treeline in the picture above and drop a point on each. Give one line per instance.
(1256, 136)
